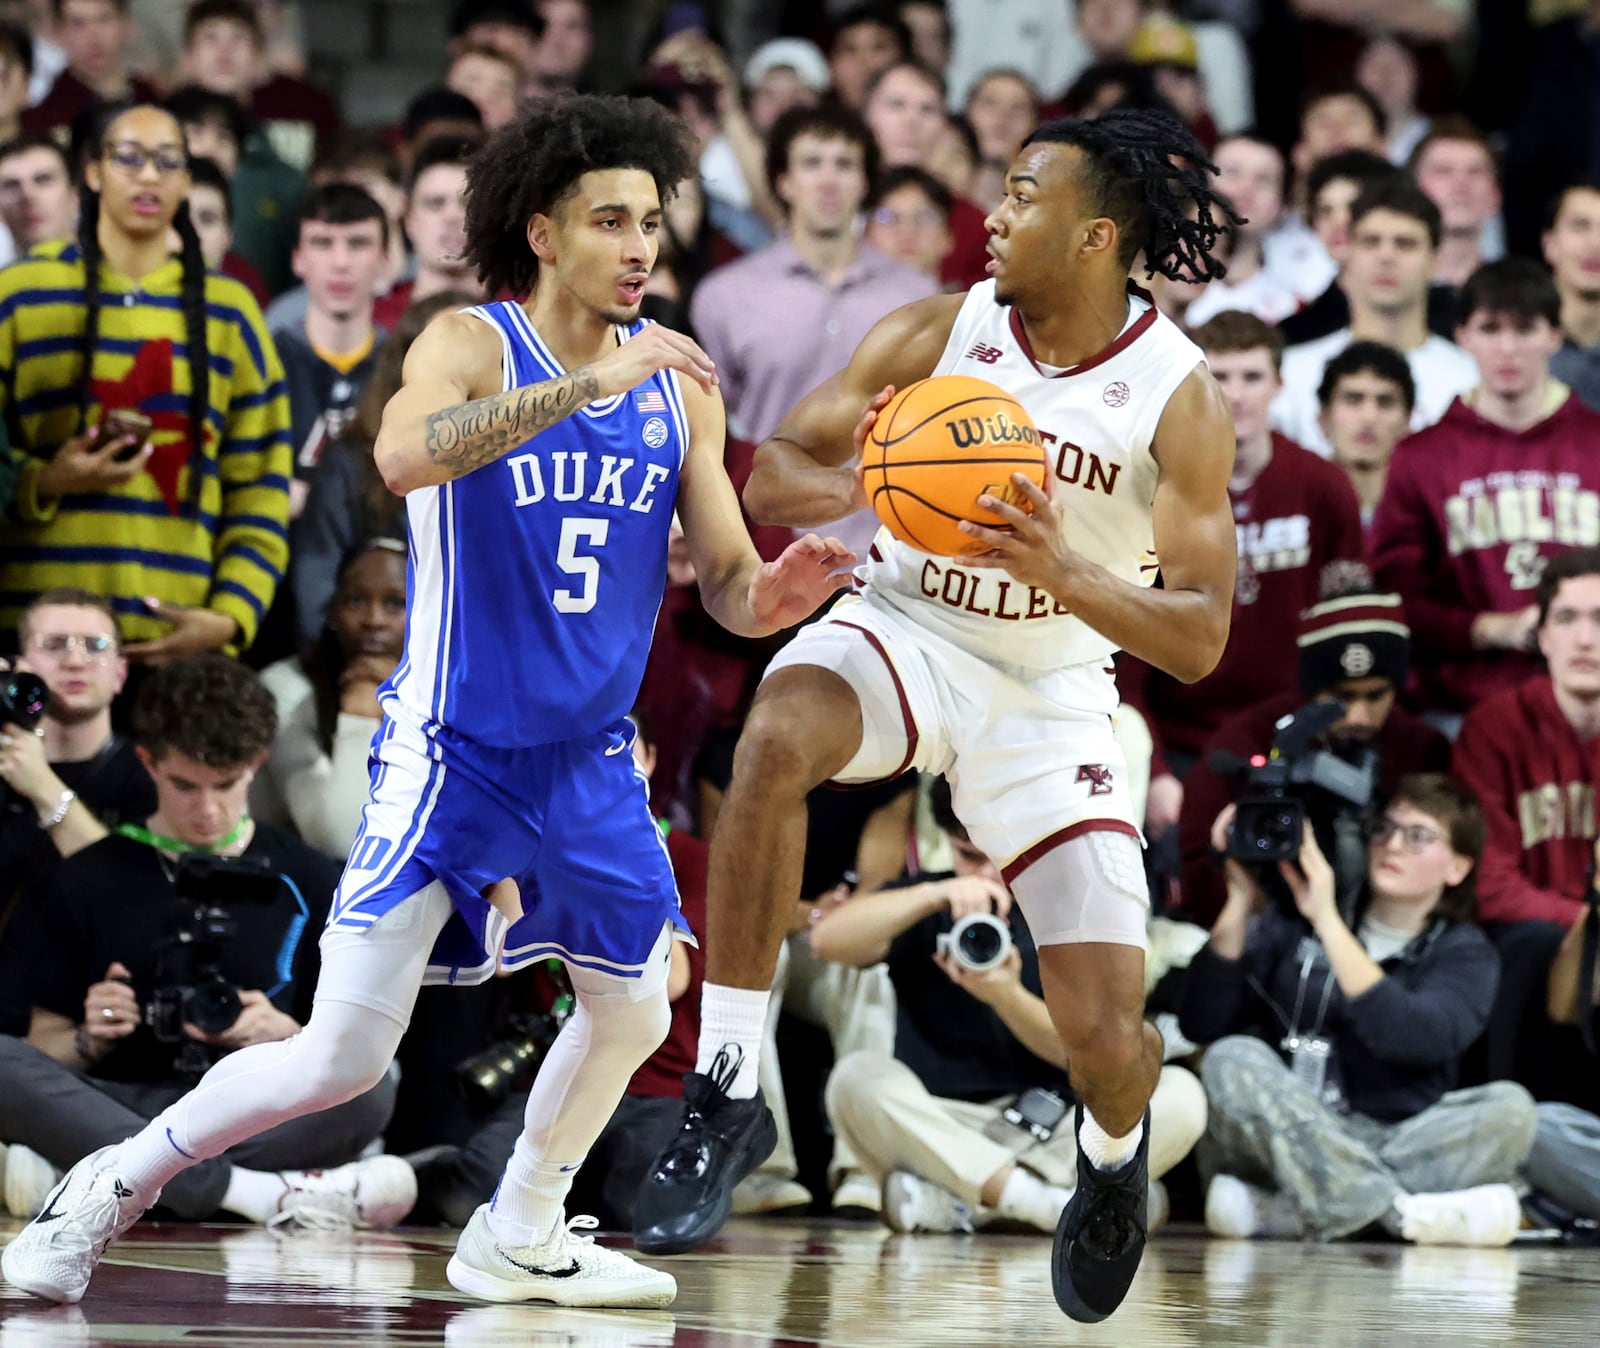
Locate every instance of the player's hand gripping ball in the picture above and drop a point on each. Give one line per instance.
(937, 446)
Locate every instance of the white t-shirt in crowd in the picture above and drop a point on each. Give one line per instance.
(1441, 369)
(1262, 295)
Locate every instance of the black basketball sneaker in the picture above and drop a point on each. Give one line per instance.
(688, 1193)
(1101, 1235)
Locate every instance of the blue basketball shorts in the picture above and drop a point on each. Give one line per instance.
(570, 822)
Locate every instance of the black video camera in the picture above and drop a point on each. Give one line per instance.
(191, 988)
(1269, 821)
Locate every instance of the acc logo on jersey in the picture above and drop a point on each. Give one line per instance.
(654, 433)
(1116, 395)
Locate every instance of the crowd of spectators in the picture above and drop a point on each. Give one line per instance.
(209, 280)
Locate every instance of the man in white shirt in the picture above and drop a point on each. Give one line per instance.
(1394, 239)
(1250, 174)
(1454, 165)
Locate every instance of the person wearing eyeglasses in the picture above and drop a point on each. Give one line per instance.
(148, 413)
(908, 217)
(73, 778)
(1335, 1046)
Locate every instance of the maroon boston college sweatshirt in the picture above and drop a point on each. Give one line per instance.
(1300, 514)
(1537, 781)
(1469, 514)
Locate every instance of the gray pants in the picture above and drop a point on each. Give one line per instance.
(1565, 1160)
(64, 1117)
(1344, 1171)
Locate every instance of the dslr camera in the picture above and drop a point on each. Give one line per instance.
(487, 1078)
(1277, 786)
(23, 699)
(191, 988)
(978, 942)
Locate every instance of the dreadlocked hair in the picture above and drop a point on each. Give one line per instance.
(1146, 171)
(192, 295)
(532, 166)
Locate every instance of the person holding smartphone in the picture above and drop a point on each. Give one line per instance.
(969, 1122)
(149, 447)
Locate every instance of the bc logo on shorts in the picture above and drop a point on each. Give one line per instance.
(654, 433)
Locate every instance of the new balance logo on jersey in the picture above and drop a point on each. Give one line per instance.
(617, 482)
(982, 351)
(1098, 775)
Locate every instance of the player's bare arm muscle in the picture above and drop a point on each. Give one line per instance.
(451, 416)
(801, 477)
(1182, 627)
(741, 592)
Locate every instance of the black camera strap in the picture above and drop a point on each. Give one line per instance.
(1586, 970)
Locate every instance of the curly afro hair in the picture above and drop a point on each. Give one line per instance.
(208, 707)
(533, 165)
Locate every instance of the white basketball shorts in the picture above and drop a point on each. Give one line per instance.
(1030, 755)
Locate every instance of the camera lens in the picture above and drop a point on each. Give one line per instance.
(212, 1005)
(979, 941)
(485, 1079)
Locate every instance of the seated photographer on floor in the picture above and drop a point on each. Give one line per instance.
(969, 1121)
(1354, 649)
(1334, 1046)
(72, 778)
(170, 943)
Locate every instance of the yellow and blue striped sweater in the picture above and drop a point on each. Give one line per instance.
(204, 527)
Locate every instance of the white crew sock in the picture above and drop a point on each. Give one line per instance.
(734, 1019)
(254, 1194)
(527, 1204)
(1104, 1151)
(1026, 1198)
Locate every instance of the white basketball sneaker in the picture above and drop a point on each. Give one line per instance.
(1488, 1215)
(369, 1195)
(911, 1203)
(56, 1253)
(566, 1269)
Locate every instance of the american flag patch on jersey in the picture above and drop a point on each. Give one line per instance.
(649, 400)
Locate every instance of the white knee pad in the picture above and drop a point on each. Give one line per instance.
(1090, 888)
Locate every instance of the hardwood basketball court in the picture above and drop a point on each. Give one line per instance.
(782, 1283)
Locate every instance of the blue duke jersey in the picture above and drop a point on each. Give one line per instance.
(534, 582)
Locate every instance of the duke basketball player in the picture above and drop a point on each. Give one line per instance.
(543, 448)
(995, 669)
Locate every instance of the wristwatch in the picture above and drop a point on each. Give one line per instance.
(49, 821)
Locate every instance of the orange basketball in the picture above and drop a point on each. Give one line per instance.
(939, 445)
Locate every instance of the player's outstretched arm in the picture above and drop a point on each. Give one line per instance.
(802, 474)
(745, 595)
(1182, 627)
(451, 416)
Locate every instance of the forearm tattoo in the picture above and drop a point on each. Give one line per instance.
(467, 437)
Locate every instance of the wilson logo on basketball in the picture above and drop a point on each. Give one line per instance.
(1116, 395)
(985, 353)
(969, 432)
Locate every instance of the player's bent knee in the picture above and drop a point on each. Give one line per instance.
(1101, 1043)
(798, 733)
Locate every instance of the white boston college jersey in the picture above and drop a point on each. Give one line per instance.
(1097, 420)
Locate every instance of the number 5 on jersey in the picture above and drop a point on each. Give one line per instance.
(591, 533)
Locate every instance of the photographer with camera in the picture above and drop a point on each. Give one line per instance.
(1334, 1045)
(1354, 649)
(969, 1121)
(69, 779)
(170, 943)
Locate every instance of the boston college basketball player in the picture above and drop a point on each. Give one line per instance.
(996, 669)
